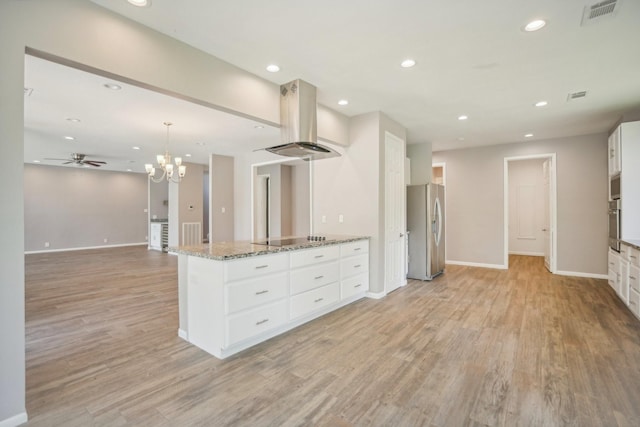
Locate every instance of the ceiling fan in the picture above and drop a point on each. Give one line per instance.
(79, 159)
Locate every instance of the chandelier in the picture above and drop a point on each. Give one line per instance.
(164, 162)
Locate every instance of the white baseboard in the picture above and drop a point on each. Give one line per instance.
(580, 274)
(15, 421)
(526, 253)
(183, 334)
(85, 248)
(376, 295)
(477, 264)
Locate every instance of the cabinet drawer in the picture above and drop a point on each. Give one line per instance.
(634, 302)
(248, 324)
(354, 248)
(245, 268)
(253, 292)
(634, 256)
(613, 280)
(354, 285)
(314, 300)
(305, 279)
(624, 251)
(314, 256)
(354, 265)
(634, 278)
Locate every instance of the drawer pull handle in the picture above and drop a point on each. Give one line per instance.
(610, 263)
(357, 249)
(632, 302)
(262, 292)
(632, 256)
(357, 266)
(262, 266)
(318, 300)
(318, 277)
(319, 256)
(358, 285)
(632, 278)
(260, 322)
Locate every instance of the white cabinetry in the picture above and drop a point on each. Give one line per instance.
(614, 152)
(234, 304)
(624, 276)
(158, 236)
(629, 136)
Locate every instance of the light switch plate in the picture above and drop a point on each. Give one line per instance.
(340, 218)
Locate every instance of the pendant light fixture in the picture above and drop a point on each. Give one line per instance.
(164, 162)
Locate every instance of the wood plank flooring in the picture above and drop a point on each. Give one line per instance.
(475, 347)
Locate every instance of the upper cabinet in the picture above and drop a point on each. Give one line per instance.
(615, 160)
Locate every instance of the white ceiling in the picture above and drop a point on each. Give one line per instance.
(472, 58)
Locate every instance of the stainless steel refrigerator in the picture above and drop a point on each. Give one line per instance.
(425, 223)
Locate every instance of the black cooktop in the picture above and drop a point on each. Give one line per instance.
(291, 241)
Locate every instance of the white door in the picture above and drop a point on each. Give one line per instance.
(261, 207)
(546, 218)
(394, 218)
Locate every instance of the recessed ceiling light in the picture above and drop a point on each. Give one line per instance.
(463, 117)
(70, 138)
(528, 135)
(135, 147)
(140, 3)
(343, 102)
(460, 138)
(535, 25)
(36, 161)
(541, 103)
(112, 86)
(258, 127)
(201, 144)
(73, 120)
(187, 155)
(407, 63)
(273, 68)
(128, 170)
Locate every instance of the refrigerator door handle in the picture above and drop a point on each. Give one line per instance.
(437, 223)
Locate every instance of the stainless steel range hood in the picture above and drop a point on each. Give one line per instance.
(298, 121)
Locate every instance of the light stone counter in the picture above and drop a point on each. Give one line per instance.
(632, 242)
(223, 251)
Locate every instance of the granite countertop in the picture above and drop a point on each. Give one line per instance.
(222, 251)
(632, 242)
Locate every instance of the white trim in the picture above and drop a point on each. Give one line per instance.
(477, 264)
(554, 206)
(376, 295)
(85, 248)
(580, 274)
(14, 421)
(183, 334)
(526, 253)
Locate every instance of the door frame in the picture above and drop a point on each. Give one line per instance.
(553, 202)
(389, 139)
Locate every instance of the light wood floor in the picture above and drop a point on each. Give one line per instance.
(474, 347)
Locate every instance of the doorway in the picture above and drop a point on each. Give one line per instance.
(530, 208)
(395, 214)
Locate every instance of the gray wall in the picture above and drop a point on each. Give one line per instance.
(475, 210)
(185, 202)
(221, 193)
(420, 156)
(72, 207)
(158, 200)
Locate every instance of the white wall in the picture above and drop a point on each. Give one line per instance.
(158, 199)
(526, 207)
(475, 210)
(73, 208)
(300, 194)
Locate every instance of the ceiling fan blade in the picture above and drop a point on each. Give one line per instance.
(91, 163)
(66, 163)
(49, 158)
(96, 161)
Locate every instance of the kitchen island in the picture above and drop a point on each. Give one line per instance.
(233, 295)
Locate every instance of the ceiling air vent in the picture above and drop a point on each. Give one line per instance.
(576, 95)
(599, 11)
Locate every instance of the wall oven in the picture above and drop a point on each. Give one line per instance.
(614, 225)
(614, 187)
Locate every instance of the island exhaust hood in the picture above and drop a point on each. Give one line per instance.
(298, 121)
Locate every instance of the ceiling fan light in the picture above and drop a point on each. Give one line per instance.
(148, 167)
(178, 161)
(182, 170)
(169, 168)
(160, 159)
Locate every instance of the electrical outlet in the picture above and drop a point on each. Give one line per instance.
(223, 210)
(146, 210)
(106, 240)
(324, 219)
(340, 218)
(46, 244)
